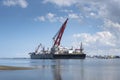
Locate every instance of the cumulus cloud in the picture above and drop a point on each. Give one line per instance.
(40, 18)
(114, 28)
(111, 10)
(61, 2)
(53, 17)
(49, 16)
(73, 15)
(101, 41)
(103, 38)
(21, 3)
(102, 8)
(66, 11)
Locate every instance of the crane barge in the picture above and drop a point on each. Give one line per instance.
(56, 51)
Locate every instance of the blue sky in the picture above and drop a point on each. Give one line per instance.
(26, 23)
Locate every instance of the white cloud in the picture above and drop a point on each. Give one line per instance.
(73, 16)
(61, 19)
(103, 38)
(40, 18)
(102, 41)
(102, 8)
(67, 11)
(21, 3)
(53, 17)
(61, 2)
(111, 24)
(49, 16)
(114, 28)
(93, 14)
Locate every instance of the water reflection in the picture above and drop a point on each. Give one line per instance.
(60, 69)
(82, 69)
(56, 70)
(63, 71)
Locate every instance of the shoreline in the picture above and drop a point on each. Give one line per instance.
(14, 68)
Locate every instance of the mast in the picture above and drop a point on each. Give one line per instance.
(81, 48)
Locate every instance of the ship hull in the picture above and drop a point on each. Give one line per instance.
(58, 56)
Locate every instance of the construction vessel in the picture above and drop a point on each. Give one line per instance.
(58, 52)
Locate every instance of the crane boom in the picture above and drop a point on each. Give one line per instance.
(59, 34)
(36, 50)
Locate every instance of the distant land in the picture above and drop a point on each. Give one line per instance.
(104, 56)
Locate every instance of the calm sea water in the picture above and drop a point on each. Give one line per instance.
(88, 69)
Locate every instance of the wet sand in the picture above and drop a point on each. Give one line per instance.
(14, 68)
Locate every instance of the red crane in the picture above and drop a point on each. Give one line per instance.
(58, 36)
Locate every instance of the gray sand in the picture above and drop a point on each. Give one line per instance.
(14, 68)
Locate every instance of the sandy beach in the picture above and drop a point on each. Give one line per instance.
(14, 68)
